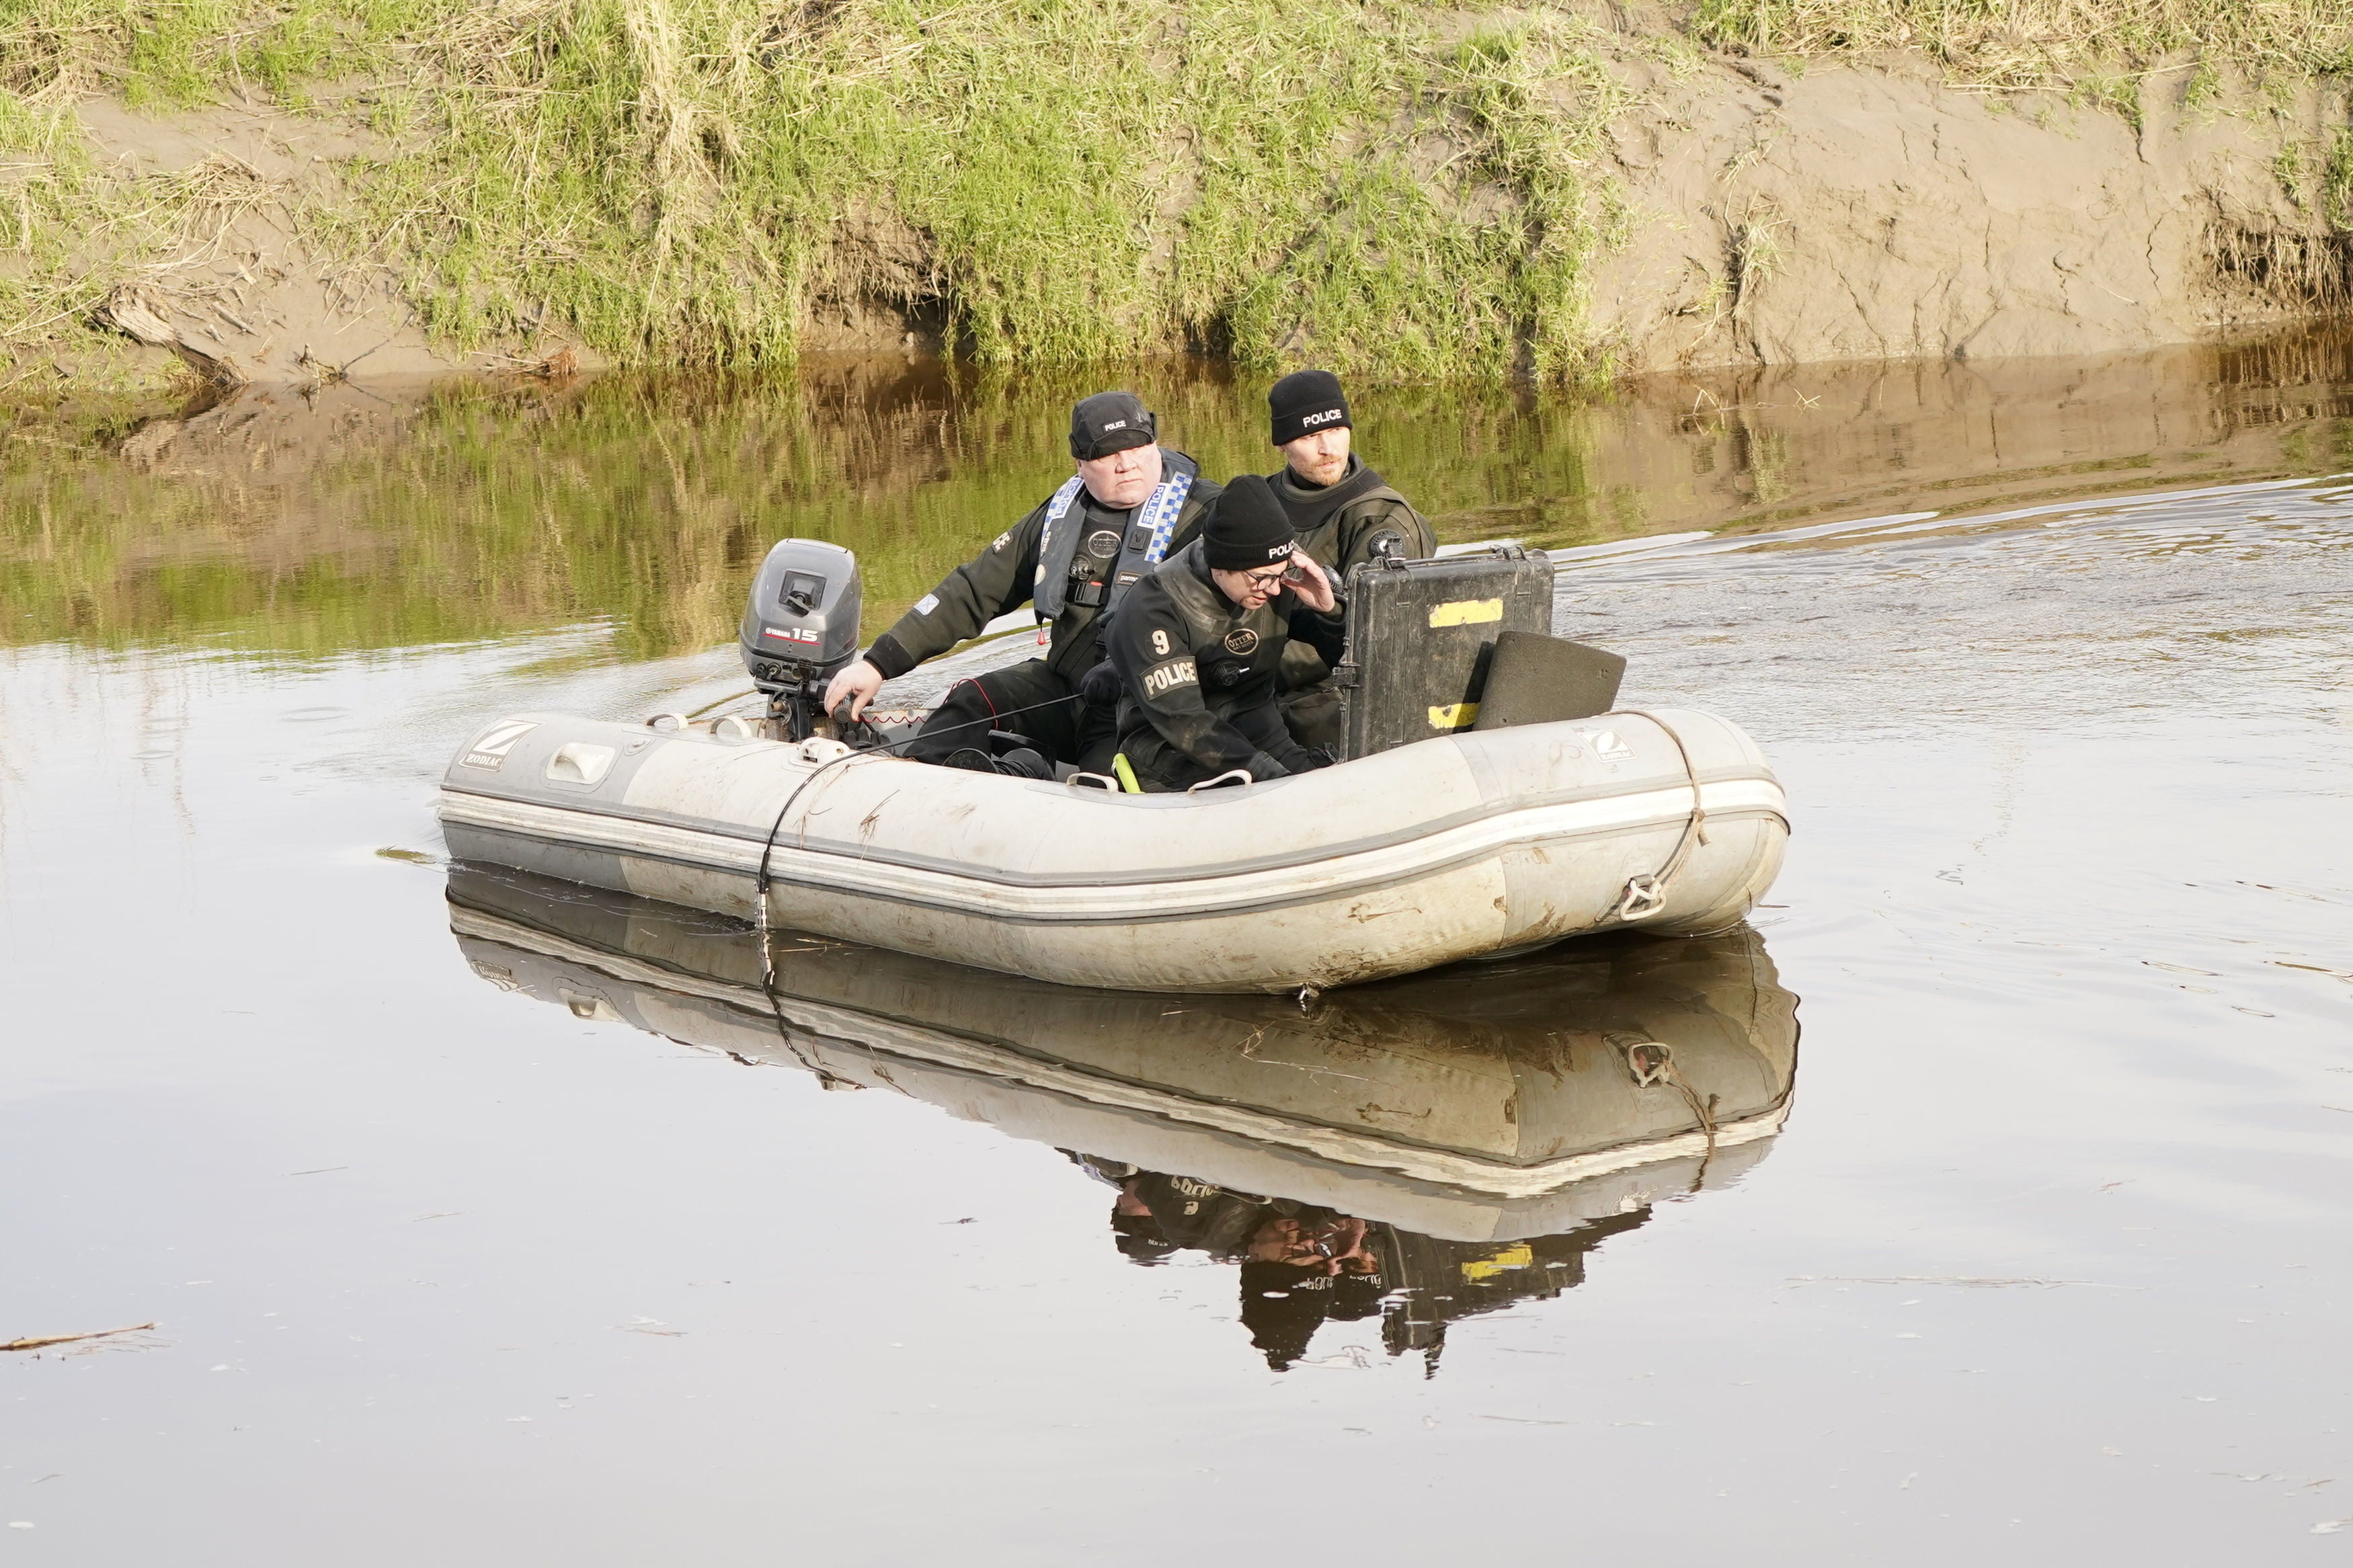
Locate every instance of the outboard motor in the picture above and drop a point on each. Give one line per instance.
(799, 629)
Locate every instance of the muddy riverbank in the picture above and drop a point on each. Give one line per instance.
(1550, 191)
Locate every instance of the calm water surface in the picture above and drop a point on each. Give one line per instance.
(484, 1221)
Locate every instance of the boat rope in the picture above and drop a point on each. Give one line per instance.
(1646, 896)
(826, 1078)
(761, 883)
(1653, 1062)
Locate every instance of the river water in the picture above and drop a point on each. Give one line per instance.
(483, 1222)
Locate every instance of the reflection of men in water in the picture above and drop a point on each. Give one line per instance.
(1299, 1270)
(1303, 1265)
(1331, 1248)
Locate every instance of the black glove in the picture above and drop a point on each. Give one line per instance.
(1100, 686)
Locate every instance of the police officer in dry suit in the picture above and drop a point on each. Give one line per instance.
(1344, 515)
(1075, 555)
(1198, 646)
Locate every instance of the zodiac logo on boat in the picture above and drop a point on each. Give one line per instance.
(490, 751)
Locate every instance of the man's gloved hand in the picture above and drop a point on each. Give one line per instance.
(1021, 763)
(857, 684)
(1314, 586)
(1100, 686)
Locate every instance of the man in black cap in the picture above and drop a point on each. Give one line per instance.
(1344, 515)
(1198, 645)
(1075, 556)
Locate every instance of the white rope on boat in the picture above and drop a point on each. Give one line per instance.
(1646, 896)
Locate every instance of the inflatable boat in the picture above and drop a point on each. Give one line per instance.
(1474, 842)
(1484, 1105)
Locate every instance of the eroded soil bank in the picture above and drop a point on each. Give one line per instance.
(1557, 191)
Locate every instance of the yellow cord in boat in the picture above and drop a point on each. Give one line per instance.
(1126, 775)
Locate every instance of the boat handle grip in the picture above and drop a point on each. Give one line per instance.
(1104, 782)
(677, 722)
(1231, 776)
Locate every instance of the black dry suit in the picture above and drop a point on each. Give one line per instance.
(1356, 519)
(1198, 677)
(1070, 555)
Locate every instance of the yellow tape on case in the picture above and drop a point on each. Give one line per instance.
(1467, 613)
(1454, 716)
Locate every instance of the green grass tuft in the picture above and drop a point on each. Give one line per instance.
(674, 179)
(2336, 180)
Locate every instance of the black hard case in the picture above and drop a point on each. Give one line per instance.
(1420, 634)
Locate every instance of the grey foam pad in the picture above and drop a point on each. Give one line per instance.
(1538, 679)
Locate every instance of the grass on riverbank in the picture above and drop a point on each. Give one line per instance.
(1363, 181)
(2040, 43)
(673, 179)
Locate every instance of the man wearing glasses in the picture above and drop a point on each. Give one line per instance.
(1198, 648)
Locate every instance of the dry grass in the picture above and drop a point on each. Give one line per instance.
(674, 181)
(2040, 43)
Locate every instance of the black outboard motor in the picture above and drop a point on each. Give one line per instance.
(799, 630)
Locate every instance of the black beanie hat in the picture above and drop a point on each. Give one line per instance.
(1247, 527)
(1304, 401)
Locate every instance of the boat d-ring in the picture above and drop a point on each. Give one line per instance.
(666, 722)
(1644, 896)
(1230, 777)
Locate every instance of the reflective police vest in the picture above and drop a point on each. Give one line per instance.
(1094, 568)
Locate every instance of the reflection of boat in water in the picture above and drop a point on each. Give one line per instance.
(1423, 1149)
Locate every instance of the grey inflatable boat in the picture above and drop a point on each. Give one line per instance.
(1440, 838)
(1464, 847)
